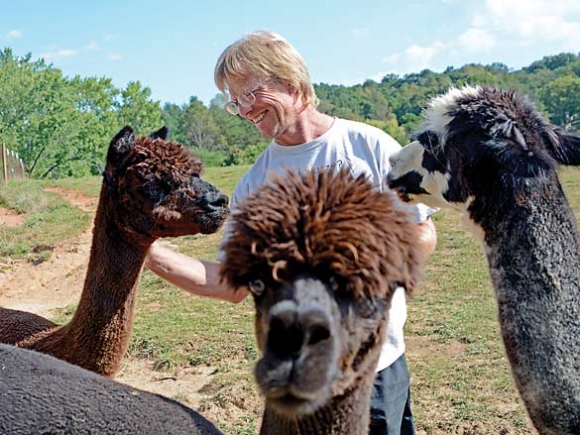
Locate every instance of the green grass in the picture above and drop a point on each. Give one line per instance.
(89, 186)
(461, 383)
(48, 219)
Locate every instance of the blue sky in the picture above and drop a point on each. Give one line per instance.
(171, 46)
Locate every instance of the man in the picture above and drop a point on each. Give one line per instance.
(269, 85)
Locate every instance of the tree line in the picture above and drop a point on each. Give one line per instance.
(61, 126)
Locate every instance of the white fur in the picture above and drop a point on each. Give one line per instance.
(474, 228)
(435, 183)
(437, 114)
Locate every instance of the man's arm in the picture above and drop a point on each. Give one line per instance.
(427, 237)
(198, 277)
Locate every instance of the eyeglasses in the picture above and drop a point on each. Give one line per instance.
(245, 99)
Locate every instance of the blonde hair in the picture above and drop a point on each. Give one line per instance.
(265, 55)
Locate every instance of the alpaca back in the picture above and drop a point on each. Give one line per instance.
(41, 395)
(16, 325)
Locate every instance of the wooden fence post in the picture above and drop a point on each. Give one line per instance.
(4, 163)
(11, 165)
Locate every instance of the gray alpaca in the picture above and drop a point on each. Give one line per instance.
(44, 395)
(490, 154)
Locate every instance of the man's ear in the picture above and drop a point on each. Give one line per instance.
(292, 90)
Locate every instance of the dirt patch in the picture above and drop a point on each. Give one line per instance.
(183, 384)
(54, 283)
(9, 218)
(77, 199)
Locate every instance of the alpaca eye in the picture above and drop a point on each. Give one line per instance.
(333, 283)
(256, 286)
(153, 190)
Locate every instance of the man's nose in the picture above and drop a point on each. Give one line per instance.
(244, 110)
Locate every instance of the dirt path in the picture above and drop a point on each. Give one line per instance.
(9, 218)
(56, 283)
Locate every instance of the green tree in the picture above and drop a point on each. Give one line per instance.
(199, 128)
(96, 102)
(172, 117)
(561, 98)
(136, 109)
(37, 114)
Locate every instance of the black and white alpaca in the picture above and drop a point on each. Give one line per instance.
(490, 154)
(44, 395)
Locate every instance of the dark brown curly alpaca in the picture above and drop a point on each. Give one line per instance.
(151, 188)
(322, 254)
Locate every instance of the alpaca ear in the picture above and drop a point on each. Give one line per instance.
(120, 145)
(123, 141)
(565, 148)
(160, 134)
(510, 131)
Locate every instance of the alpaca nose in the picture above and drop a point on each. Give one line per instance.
(294, 329)
(216, 199)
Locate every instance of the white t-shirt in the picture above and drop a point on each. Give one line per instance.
(363, 149)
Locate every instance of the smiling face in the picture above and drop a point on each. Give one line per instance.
(261, 56)
(275, 106)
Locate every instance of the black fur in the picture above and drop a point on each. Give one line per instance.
(498, 159)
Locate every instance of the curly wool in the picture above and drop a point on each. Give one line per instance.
(346, 229)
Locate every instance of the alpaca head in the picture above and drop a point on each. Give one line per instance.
(321, 254)
(155, 188)
(475, 137)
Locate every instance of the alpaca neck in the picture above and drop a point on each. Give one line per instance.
(98, 335)
(532, 230)
(532, 250)
(344, 415)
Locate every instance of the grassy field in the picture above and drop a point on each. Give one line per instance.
(461, 383)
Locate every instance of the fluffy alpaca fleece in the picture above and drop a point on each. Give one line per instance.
(43, 395)
(151, 188)
(490, 154)
(321, 253)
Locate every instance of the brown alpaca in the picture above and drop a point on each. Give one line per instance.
(151, 188)
(322, 254)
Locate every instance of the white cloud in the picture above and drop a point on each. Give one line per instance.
(359, 33)
(477, 39)
(93, 45)
(14, 34)
(517, 23)
(59, 54)
(414, 58)
(55, 53)
(536, 20)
